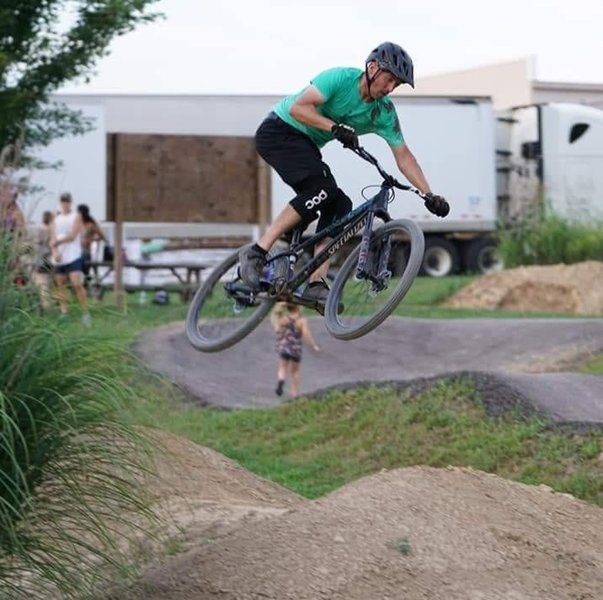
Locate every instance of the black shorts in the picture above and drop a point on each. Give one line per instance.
(72, 267)
(298, 161)
(286, 356)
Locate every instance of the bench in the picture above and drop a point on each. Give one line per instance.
(187, 275)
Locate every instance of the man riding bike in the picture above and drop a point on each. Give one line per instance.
(340, 103)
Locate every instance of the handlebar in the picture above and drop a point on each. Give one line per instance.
(434, 204)
(390, 180)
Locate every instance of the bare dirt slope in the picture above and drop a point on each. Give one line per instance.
(412, 533)
(575, 289)
(202, 493)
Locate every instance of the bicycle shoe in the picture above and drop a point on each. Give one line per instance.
(315, 295)
(251, 266)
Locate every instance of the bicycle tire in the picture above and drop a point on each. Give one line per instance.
(353, 322)
(211, 327)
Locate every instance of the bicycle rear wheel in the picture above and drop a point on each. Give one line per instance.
(224, 310)
(366, 303)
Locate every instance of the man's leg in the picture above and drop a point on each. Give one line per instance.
(287, 219)
(60, 281)
(322, 271)
(317, 290)
(75, 277)
(253, 258)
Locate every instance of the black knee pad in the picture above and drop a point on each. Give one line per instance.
(340, 206)
(316, 193)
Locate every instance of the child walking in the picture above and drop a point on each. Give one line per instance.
(290, 327)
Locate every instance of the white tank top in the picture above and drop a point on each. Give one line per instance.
(69, 251)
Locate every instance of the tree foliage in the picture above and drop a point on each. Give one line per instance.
(47, 43)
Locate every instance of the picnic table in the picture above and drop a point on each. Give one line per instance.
(187, 275)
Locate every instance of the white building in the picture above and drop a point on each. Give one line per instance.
(510, 83)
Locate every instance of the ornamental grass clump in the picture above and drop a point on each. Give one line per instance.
(71, 496)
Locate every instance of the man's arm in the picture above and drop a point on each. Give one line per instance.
(77, 227)
(410, 168)
(304, 110)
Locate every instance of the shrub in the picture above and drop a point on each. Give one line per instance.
(550, 240)
(70, 471)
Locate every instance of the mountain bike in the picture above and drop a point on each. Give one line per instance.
(368, 286)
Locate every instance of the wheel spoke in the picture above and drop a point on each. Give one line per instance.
(223, 311)
(367, 303)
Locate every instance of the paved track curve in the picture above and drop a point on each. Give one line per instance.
(524, 358)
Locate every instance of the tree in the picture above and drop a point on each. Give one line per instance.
(39, 52)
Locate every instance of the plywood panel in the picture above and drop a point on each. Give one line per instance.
(169, 178)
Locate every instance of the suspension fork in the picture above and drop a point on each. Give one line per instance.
(361, 269)
(379, 273)
(384, 252)
(379, 270)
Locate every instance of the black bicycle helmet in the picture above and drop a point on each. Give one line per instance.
(391, 57)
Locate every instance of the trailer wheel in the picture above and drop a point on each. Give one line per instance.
(482, 257)
(441, 257)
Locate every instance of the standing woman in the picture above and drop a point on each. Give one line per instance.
(91, 232)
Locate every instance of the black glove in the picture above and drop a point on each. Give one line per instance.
(346, 135)
(437, 205)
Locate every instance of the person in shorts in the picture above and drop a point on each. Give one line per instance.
(290, 329)
(66, 249)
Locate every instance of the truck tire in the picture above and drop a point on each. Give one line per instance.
(441, 257)
(481, 257)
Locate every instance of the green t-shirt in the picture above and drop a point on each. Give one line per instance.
(340, 87)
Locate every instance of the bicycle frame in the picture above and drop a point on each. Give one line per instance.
(352, 223)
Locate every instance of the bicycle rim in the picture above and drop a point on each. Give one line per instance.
(223, 311)
(364, 306)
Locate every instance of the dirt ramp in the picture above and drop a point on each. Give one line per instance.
(574, 289)
(412, 533)
(202, 494)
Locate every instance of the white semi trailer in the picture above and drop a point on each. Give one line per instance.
(490, 166)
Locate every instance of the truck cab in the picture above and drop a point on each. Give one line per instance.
(552, 162)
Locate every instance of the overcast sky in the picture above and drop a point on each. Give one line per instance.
(271, 46)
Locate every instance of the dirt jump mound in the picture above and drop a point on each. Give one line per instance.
(574, 289)
(412, 533)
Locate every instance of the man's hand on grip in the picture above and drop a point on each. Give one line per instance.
(345, 134)
(437, 205)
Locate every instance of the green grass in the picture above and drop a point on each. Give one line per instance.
(593, 366)
(314, 446)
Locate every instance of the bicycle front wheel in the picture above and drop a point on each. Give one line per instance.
(224, 310)
(367, 303)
